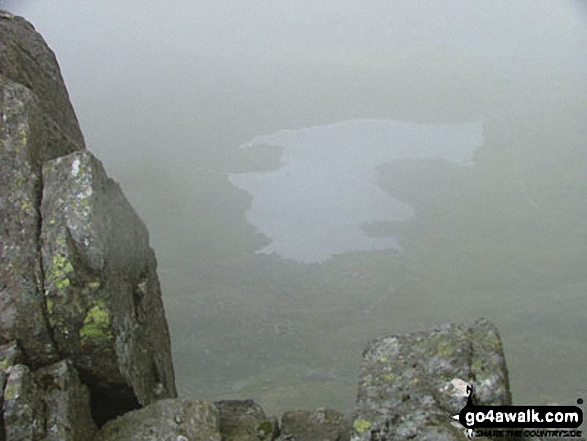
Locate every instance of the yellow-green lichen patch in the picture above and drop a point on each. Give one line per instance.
(266, 427)
(96, 325)
(22, 135)
(94, 285)
(60, 241)
(47, 169)
(477, 364)
(445, 348)
(19, 180)
(50, 305)
(11, 391)
(26, 206)
(4, 364)
(360, 425)
(389, 378)
(60, 269)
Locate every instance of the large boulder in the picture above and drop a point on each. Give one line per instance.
(78, 278)
(50, 404)
(166, 420)
(409, 384)
(102, 293)
(312, 425)
(245, 420)
(10, 356)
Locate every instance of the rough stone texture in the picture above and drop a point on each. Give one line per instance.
(165, 420)
(50, 404)
(25, 58)
(316, 425)
(67, 402)
(22, 307)
(407, 382)
(101, 287)
(87, 290)
(245, 420)
(36, 123)
(10, 355)
(24, 410)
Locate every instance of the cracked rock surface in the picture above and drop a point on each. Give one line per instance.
(409, 383)
(80, 300)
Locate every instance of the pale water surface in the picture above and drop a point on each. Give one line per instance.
(316, 203)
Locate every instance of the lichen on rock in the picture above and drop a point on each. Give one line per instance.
(407, 382)
(96, 327)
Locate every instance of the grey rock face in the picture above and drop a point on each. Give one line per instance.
(22, 305)
(67, 403)
(408, 382)
(101, 287)
(37, 123)
(316, 425)
(24, 413)
(80, 283)
(50, 404)
(245, 420)
(10, 355)
(26, 59)
(166, 420)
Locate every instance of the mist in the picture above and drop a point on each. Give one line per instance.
(315, 174)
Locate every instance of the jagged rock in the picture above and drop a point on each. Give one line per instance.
(22, 306)
(407, 382)
(10, 355)
(94, 251)
(24, 412)
(67, 402)
(316, 425)
(245, 420)
(37, 123)
(50, 404)
(166, 420)
(25, 58)
(101, 287)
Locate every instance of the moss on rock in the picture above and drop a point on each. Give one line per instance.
(96, 325)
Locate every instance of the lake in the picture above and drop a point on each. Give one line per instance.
(316, 174)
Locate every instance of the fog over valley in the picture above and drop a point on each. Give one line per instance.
(316, 174)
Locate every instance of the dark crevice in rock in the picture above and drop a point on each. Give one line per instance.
(107, 404)
(41, 282)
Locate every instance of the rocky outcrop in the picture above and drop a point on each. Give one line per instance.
(409, 384)
(49, 404)
(101, 288)
(166, 420)
(320, 424)
(81, 317)
(26, 59)
(245, 420)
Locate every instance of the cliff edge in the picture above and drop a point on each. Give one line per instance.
(83, 335)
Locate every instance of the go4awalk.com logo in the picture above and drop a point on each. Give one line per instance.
(516, 421)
